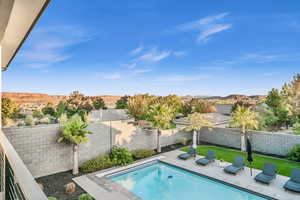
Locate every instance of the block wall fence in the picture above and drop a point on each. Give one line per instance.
(275, 143)
(43, 155)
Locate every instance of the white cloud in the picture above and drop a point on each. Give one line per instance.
(110, 76)
(262, 57)
(204, 35)
(179, 53)
(182, 78)
(258, 57)
(132, 65)
(153, 55)
(137, 50)
(206, 26)
(141, 71)
(49, 45)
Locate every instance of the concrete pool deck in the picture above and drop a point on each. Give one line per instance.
(100, 187)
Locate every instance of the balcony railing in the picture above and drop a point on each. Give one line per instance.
(16, 182)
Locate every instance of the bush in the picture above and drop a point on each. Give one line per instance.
(209, 108)
(142, 153)
(9, 110)
(29, 121)
(294, 153)
(296, 129)
(198, 105)
(85, 197)
(49, 110)
(37, 114)
(138, 105)
(121, 156)
(172, 101)
(266, 117)
(95, 164)
(98, 103)
(122, 102)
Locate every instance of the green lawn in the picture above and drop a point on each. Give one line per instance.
(284, 166)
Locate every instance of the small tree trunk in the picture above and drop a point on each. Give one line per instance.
(194, 139)
(75, 159)
(158, 141)
(243, 141)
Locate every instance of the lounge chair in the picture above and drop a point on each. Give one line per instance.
(268, 173)
(294, 183)
(210, 157)
(236, 166)
(191, 153)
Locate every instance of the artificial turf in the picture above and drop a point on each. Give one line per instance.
(283, 166)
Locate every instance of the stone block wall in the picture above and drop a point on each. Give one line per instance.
(220, 136)
(265, 142)
(274, 143)
(43, 155)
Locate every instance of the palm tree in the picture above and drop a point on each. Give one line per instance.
(197, 121)
(74, 130)
(244, 118)
(160, 115)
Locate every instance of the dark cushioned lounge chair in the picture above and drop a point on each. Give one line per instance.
(236, 166)
(210, 157)
(268, 173)
(294, 183)
(191, 153)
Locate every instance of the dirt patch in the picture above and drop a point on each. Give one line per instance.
(54, 185)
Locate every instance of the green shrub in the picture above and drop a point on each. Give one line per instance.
(294, 153)
(85, 197)
(9, 110)
(296, 129)
(142, 153)
(49, 110)
(52, 198)
(29, 120)
(99, 103)
(95, 164)
(37, 114)
(122, 102)
(121, 156)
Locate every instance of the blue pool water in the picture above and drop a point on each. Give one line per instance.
(161, 181)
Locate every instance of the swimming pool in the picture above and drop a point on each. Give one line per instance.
(160, 181)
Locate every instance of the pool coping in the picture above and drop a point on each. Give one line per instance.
(127, 167)
(167, 158)
(185, 169)
(100, 187)
(221, 181)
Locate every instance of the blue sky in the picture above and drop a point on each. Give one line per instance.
(184, 47)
